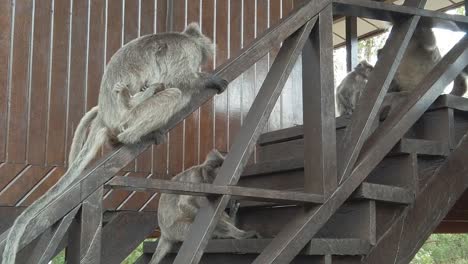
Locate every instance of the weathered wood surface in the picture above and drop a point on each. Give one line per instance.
(376, 88)
(205, 221)
(84, 244)
(50, 240)
(203, 189)
(299, 231)
(411, 229)
(318, 99)
(124, 232)
(395, 13)
(317, 246)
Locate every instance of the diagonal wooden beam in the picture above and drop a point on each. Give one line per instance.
(390, 12)
(207, 217)
(47, 245)
(204, 189)
(300, 230)
(417, 222)
(84, 245)
(373, 95)
(320, 176)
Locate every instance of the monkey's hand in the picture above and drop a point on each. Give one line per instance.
(217, 83)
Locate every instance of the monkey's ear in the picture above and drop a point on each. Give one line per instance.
(193, 29)
(214, 159)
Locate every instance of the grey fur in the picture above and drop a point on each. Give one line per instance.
(177, 212)
(170, 58)
(80, 134)
(350, 89)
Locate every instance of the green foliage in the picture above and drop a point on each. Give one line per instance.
(444, 249)
(134, 256)
(60, 258)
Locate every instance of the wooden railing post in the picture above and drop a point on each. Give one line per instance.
(84, 244)
(351, 43)
(319, 108)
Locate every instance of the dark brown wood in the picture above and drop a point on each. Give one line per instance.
(384, 193)
(399, 170)
(6, 14)
(374, 93)
(351, 43)
(317, 246)
(381, 10)
(204, 223)
(58, 84)
(300, 230)
(38, 101)
(9, 215)
(84, 243)
(202, 189)
(417, 222)
(319, 105)
(18, 81)
(124, 232)
(50, 240)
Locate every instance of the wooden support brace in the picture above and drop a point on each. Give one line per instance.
(203, 189)
(84, 245)
(50, 240)
(207, 217)
(300, 230)
(319, 108)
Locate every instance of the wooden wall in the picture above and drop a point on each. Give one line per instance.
(52, 56)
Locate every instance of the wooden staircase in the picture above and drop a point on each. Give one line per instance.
(346, 190)
(369, 217)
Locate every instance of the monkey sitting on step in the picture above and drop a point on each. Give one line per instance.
(177, 212)
(350, 89)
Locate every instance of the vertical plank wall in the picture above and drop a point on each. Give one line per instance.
(53, 54)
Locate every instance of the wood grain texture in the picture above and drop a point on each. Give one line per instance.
(6, 15)
(19, 82)
(78, 76)
(38, 101)
(59, 82)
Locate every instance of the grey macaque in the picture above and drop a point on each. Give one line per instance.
(350, 89)
(172, 59)
(177, 212)
(419, 59)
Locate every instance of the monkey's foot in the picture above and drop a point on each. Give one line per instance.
(217, 83)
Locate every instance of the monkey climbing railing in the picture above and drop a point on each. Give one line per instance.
(308, 30)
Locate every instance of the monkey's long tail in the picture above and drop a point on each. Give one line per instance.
(96, 139)
(164, 246)
(80, 133)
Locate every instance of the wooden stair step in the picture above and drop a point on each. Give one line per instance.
(405, 146)
(317, 246)
(202, 189)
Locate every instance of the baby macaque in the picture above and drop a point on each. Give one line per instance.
(350, 89)
(177, 212)
(130, 101)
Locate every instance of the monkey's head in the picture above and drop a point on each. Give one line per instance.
(364, 68)
(203, 42)
(211, 166)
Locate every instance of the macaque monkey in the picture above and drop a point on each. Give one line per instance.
(177, 212)
(172, 59)
(350, 89)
